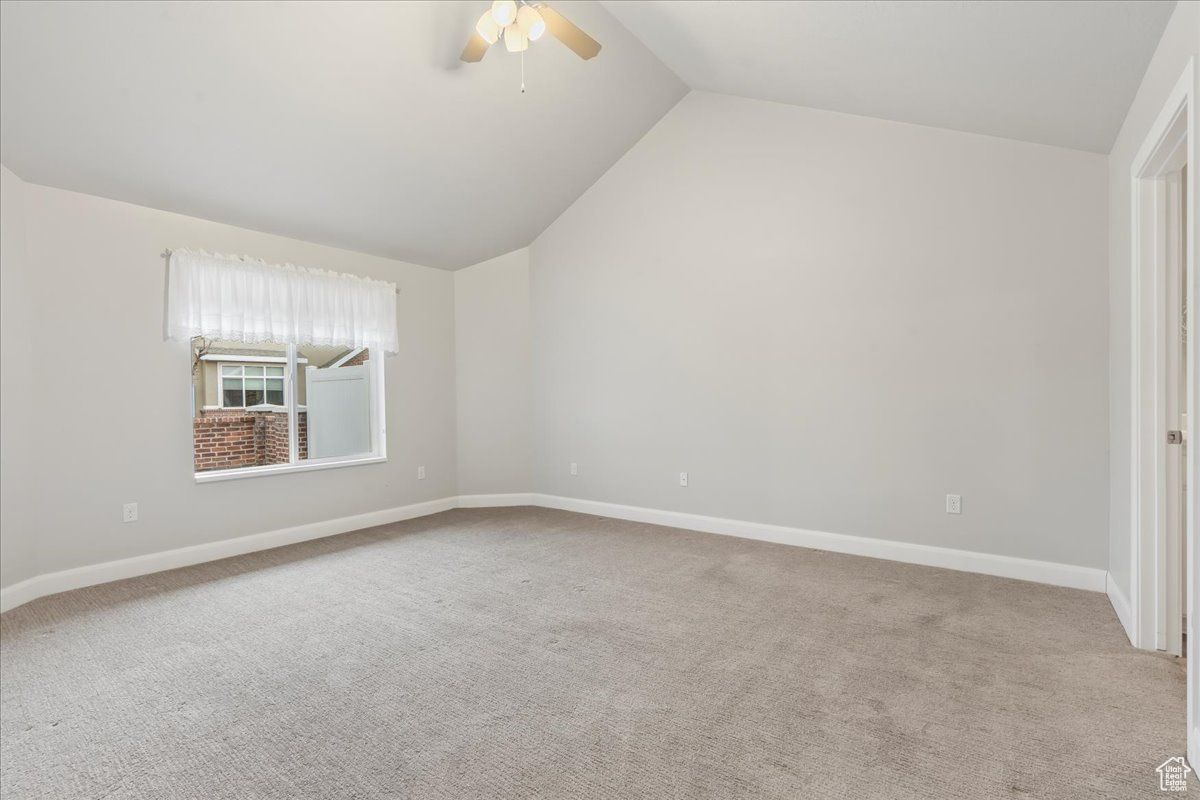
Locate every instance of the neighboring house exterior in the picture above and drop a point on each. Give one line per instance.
(239, 401)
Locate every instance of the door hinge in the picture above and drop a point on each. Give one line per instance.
(1174, 437)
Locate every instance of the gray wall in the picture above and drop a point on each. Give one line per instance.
(1180, 41)
(93, 280)
(831, 322)
(493, 353)
(18, 394)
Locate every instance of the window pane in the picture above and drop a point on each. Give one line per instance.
(275, 391)
(231, 428)
(231, 396)
(336, 419)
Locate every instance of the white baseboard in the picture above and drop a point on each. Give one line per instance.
(495, 500)
(964, 560)
(79, 577)
(1025, 569)
(1120, 604)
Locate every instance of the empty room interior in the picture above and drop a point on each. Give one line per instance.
(686, 399)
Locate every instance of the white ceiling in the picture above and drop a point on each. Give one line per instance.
(354, 124)
(350, 124)
(1054, 72)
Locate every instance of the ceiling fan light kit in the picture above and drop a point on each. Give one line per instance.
(520, 24)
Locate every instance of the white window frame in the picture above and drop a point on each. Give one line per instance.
(377, 454)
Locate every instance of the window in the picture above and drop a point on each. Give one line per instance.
(287, 367)
(245, 385)
(265, 408)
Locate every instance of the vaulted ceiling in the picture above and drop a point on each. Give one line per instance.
(1058, 72)
(347, 123)
(354, 124)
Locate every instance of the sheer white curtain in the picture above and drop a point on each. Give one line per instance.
(239, 299)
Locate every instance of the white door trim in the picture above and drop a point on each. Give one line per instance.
(1169, 141)
(1172, 140)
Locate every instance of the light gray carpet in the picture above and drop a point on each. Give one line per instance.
(522, 653)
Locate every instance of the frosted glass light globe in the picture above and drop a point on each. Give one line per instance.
(504, 12)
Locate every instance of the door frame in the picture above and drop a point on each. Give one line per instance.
(1171, 141)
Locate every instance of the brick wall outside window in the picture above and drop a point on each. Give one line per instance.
(361, 358)
(229, 438)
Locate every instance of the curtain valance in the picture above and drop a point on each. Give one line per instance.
(240, 299)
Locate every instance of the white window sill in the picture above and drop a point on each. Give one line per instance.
(282, 469)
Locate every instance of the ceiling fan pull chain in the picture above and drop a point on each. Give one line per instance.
(522, 72)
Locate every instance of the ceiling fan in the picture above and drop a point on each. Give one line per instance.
(520, 24)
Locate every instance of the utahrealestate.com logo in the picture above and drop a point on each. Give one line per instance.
(1172, 774)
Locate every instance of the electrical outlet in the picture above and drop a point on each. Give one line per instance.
(129, 512)
(421, 473)
(574, 468)
(683, 479)
(954, 504)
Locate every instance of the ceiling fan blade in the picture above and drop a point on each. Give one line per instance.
(476, 48)
(562, 29)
